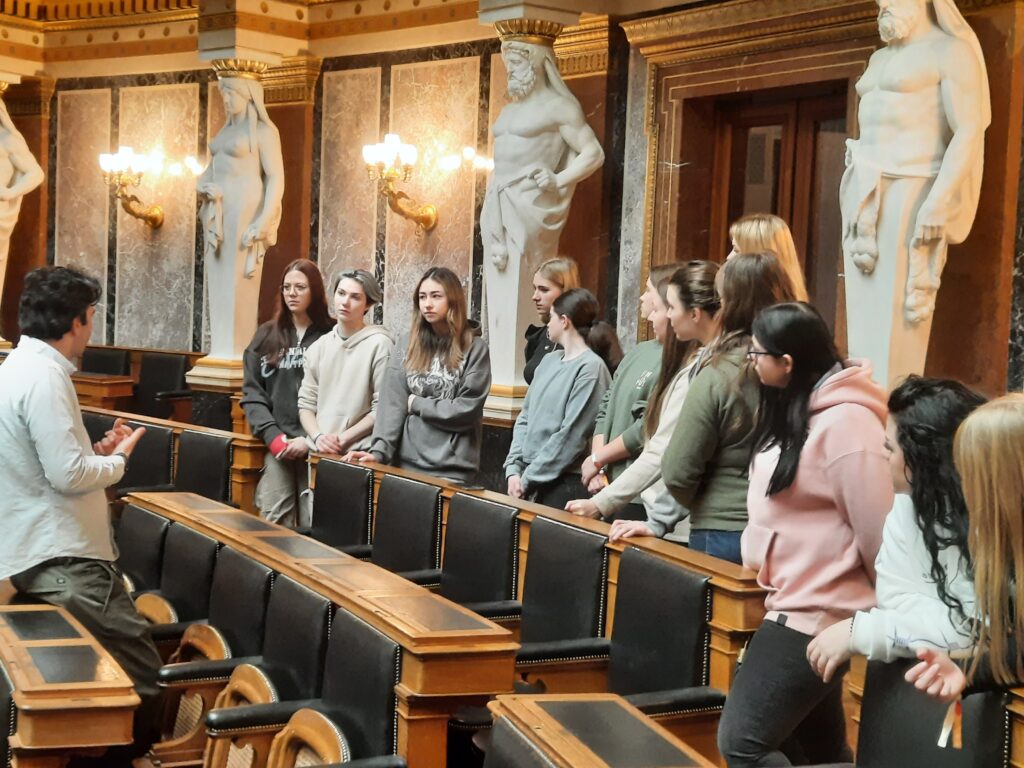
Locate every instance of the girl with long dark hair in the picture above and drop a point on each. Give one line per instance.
(435, 386)
(818, 495)
(924, 575)
(684, 321)
(619, 429)
(552, 430)
(988, 452)
(705, 463)
(273, 370)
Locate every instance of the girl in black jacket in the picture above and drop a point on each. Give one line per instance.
(273, 372)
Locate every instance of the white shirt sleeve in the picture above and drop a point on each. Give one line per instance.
(55, 427)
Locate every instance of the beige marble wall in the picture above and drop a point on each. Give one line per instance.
(82, 205)
(434, 105)
(155, 268)
(348, 200)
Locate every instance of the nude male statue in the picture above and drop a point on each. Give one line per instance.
(913, 177)
(19, 175)
(542, 148)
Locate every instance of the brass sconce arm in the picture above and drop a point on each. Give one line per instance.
(152, 215)
(424, 216)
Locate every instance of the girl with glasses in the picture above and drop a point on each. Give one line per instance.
(273, 370)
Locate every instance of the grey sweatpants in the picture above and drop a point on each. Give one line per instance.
(281, 495)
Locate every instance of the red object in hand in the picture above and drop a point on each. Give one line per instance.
(278, 445)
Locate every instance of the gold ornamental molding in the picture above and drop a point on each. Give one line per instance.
(250, 22)
(247, 69)
(292, 82)
(362, 25)
(583, 49)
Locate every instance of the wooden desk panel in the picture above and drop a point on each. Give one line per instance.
(70, 694)
(101, 390)
(594, 731)
(451, 658)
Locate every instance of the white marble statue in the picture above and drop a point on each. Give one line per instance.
(19, 175)
(241, 193)
(543, 148)
(912, 179)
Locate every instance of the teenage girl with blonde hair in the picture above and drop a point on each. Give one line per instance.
(757, 232)
(552, 278)
(989, 454)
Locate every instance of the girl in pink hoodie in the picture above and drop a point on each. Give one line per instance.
(818, 496)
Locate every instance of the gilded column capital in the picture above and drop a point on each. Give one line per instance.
(293, 81)
(583, 49)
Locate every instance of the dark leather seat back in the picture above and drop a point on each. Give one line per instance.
(481, 551)
(238, 600)
(140, 545)
(204, 465)
(362, 669)
(564, 591)
(159, 372)
(407, 529)
(899, 725)
(97, 425)
(660, 639)
(113, 362)
(8, 717)
(342, 504)
(295, 640)
(187, 574)
(152, 463)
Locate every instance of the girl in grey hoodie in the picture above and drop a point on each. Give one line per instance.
(432, 401)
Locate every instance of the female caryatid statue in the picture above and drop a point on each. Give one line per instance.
(19, 175)
(241, 194)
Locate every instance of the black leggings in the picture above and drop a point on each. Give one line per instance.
(778, 711)
(558, 492)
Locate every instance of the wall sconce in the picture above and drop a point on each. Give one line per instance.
(126, 168)
(388, 162)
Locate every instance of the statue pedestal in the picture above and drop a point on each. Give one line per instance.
(510, 311)
(217, 387)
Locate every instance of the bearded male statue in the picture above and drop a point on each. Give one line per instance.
(912, 179)
(543, 148)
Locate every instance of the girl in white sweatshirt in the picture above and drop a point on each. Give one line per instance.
(345, 369)
(924, 583)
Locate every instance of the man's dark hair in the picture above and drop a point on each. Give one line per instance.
(52, 298)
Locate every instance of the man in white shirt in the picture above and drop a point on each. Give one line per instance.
(55, 535)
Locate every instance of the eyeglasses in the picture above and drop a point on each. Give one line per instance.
(756, 353)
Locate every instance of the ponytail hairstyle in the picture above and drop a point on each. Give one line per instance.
(277, 339)
(989, 453)
(795, 329)
(424, 343)
(695, 283)
(927, 413)
(582, 309)
(746, 284)
(765, 232)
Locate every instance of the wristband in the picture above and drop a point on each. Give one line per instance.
(318, 436)
(278, 444)
(123, 455)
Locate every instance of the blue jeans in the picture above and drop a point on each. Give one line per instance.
(724, 545)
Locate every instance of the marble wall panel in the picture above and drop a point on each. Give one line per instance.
(634, 190)
(435, 106)
(348, 200)
(82, 201)
(155, 268)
